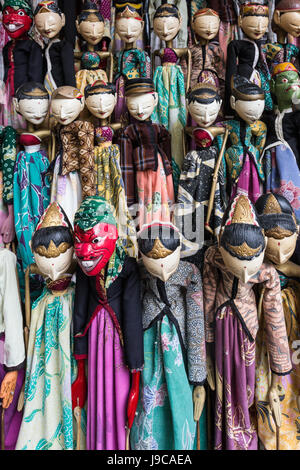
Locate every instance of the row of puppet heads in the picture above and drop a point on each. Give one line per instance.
(49, 20)
(248, 235)
(203, 101)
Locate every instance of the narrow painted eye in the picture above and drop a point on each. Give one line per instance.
(96, 240)
(21, 13)
(6, 12)
(77, 240)
(284, 80)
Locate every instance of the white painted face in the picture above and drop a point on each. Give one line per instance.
(249, 111)
(166, 28)
(49, 24)
(33, 110)
(204, 114)
(254, 26)
(129, 29)
(91, 31)
(142, 106)
(54, 268)
(66, 110)
(289, 21)
(101, 105)
(163, 268)
(206, 26)
(242, 269)
(280, 251)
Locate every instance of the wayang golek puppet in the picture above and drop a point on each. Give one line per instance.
(172, 393)
(74, 173)
(59, 57)
(107, 327)
(245, 56)
(47, 418)
(132, 62)
(93, 60)
(278, 220)
(201, 167)
(231, 271)
(207, 62)
(100, 99)
(281, 157)
(22, 56)
(169, 80)
(12, 351)
(247, 138)
(31, 182)
(146, 161)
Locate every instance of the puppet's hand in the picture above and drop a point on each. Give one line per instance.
(7, 389)
(198, 400)
(133, 398)
(79, 387)
(275, 405)
(8, 228)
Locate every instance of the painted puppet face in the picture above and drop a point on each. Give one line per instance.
(254, 26)
(280, 251)
(54, 268)
(101, 105)
(142, 106)
(167, 27)
(204, 114)
(249, 111)
(242, 269)
(33, 110)
(206, 26)
(129, 29)
(163, 268)
(49, 23)
(91, 31)
(94, 247)
(285, 86)
(16, 22)
(289, 22)
(66, 110)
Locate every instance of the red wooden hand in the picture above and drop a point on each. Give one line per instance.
(133, 398)
(79, 386)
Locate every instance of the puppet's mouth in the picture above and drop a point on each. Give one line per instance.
(292, 87)
(90, 264)
(12, 27)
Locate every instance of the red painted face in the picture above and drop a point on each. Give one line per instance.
(94, 247)
(16, 22)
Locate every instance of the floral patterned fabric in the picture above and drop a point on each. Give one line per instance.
(155, 194)
(164, 419)
(47, 419)
(288, 386)
(171, 109)
(8, 154)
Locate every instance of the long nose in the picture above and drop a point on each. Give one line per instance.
(140, 108)
(85, 251)
(259, 27)
(62, 113)
(165, 29)
(53, 274)
(46, 26)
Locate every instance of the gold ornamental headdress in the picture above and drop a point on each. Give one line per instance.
(276, 216)
(129, 10)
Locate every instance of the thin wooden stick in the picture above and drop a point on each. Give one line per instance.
(198, 435)
(127, 447)
(2, 429)
(214, 183)
(77, 414)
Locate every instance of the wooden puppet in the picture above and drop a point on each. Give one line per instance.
(31, 189)
(132, 62)
(277, 218)
(100, 99)
(49, 21)
(47, 417)
(169, 81)
(107, 326)
(245, 56)
(247, 139)
(281, 158)
(23, 59)
(197, 174)
(74, 174)
(146, 156)
(12, 351)
(231, 271)
(90, 26)
(172, 393)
